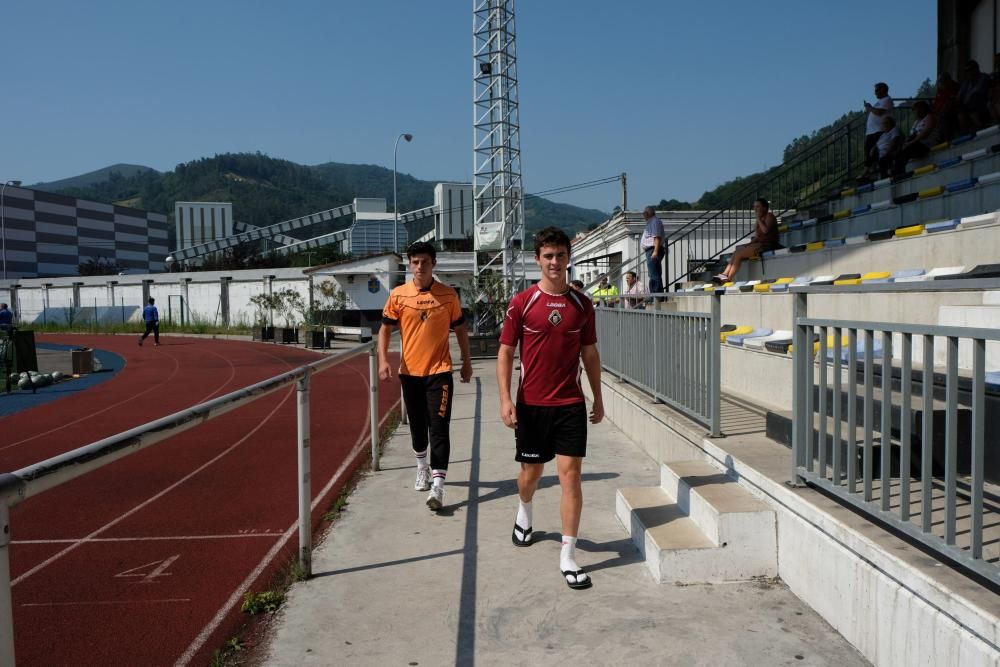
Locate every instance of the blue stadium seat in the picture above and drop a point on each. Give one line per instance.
(756, 333)
(811, 222)
(944, 164)
(958, 141)
(858, 210)
(906, 273)
(941, 226)
(993, 380)
(963, 184)
(795, 224)
(867, 187)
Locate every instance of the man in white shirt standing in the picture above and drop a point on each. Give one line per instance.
(883, 106)
(655, 247)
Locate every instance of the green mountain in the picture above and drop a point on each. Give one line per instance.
(266, 190)
(92, 177)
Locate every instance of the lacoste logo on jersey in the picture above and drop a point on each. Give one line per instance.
(555, 318)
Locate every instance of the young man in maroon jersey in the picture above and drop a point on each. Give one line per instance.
(554, 326)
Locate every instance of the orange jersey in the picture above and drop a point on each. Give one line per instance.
(424, 318)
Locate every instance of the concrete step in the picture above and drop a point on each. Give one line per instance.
(700, 527)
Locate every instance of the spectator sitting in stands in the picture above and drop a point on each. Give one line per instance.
(886, 149)
(635, 288)
(606, 294)
(876, 112)
(923, 136)
(945, 106)
(973, 113)
(765, 237)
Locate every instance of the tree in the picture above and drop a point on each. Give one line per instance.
(100, 266)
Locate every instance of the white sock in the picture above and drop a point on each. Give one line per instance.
(567, 558)
(439, 476)
(523, 514)
(421, 457)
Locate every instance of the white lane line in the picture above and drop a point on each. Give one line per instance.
(71, 540)
(154, 498)
(237, 595)
(90, 603)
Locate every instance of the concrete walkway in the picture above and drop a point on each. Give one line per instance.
(396, 584)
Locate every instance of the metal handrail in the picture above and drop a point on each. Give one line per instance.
(17, 486)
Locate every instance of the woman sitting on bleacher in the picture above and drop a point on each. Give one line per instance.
(924, 134)
(765, 237)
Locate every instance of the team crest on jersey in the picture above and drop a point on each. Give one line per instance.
(555, 318)
(423, 315)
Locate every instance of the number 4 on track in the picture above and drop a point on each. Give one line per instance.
(150, 571)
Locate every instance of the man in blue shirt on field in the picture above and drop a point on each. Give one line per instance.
(152, 319)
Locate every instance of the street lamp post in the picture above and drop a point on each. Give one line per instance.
(395, 208)
(3, 223)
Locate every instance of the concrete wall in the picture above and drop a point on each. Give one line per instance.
(838, 563)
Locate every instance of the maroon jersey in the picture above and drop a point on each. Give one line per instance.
(551, 329)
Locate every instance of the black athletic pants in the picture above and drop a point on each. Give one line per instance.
(152, 328)
(428, 407)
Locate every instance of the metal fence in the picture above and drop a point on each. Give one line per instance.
(674, 356)
(20, 485)
(873, 442)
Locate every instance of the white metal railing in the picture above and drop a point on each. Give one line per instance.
(17, 486)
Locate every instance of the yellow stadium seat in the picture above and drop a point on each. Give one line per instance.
(784, 281)
(738, 331)
(709, 287)
(926, 169)
(848, 192)
(912, 230)
(840, 215)
(815, 245)
(931, 192)
(876, 275)
(941, 146)
(782, 228)
(762, 287)
(848, 281)
(844, 342)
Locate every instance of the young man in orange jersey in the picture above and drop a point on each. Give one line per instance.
(554, 325)
(425, 310)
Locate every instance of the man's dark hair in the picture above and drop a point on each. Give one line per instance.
(421, 248)
(882, 84)
(550, 236)
(151, 300)
(631, 273)
(763, 202)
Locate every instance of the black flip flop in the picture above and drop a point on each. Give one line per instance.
(577, 584)
(524, 540)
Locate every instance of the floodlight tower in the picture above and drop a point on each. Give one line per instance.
(496, 182)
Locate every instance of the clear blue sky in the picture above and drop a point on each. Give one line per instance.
(680, 95)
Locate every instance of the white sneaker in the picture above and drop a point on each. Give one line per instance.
(435, 499)
(423, 482)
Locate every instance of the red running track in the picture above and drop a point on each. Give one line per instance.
(145, 561)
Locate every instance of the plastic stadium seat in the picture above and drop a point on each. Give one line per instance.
(769, 285)
(881, 183)
(981, 271)
(995, 148)
(767, 253)
(858, 210)
(801, 281)
(758, 342)
(844, 340)
(901, 177)
(735, 287)
(904, 199)
(779, 346)
(780, 251)
(880, 235)
(931, 192)
(958, 141)
(824, 280)
(827, 217)
(963, 184)
(845, 348)
(944, 164)
(976, 154)
(879, 205)
(800, 247)
(856, 240)
(738, 331)
(942, 226)
(738, 340)
(875, 275)
(905, 273)
(814, 246)
(989, 178)
(848, 281)
(912, 230)
(848, 192)
(926, 169)
(749, 285)
(795, 224)
(782, 229)
(811, 222)
(840, 215)
(834, 242)
(847, 276)
(933, 273)
(987, 131)
(940, 147)
(867, 187)
(993, 380)
(978, 220)
(727, 327)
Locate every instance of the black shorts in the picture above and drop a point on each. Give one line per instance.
(544, 431)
